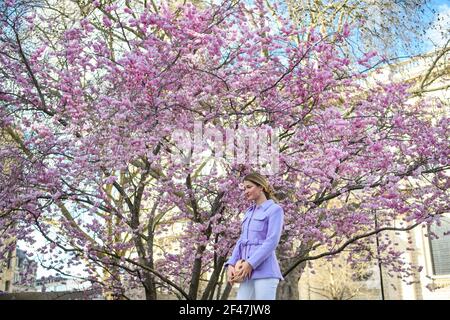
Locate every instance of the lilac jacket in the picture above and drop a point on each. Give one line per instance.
(260, 234)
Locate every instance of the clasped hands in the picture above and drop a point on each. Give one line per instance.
(239, 272)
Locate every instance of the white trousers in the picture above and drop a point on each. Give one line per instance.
(258, 289)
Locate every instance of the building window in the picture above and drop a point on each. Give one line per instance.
(8, 266)
(7, 286)
(440, 248)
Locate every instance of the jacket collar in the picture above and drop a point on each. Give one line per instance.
(266, 204)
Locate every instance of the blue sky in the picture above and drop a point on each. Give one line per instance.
(439, 26)
(440, 29)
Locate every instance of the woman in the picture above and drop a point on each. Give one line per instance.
(253, 262)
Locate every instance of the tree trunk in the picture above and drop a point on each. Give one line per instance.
(208, 294)
(226, 292)
(195, 279)
(150, 287)
(219, 287)
(196, 270)
(288, 289)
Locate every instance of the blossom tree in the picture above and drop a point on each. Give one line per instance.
(89, 115)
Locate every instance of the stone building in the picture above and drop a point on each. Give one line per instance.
(17, 272)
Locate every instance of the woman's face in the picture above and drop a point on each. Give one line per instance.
(251, 190)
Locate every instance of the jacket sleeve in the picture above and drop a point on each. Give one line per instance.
(235, 255)
(274, 228)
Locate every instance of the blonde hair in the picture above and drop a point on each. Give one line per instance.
(261, 181)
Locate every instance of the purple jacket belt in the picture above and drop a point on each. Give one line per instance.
(243, 243)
